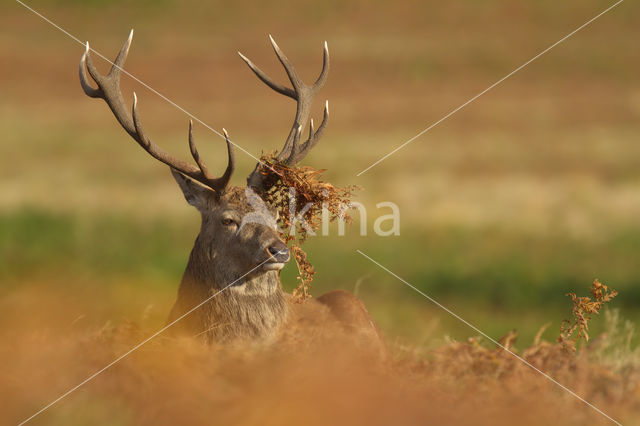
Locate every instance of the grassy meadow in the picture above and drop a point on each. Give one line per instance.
(530, 192)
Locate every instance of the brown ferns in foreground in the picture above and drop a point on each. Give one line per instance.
(311, 375)
(583, 309)
(468, 360)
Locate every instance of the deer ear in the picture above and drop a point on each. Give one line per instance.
(196, 194)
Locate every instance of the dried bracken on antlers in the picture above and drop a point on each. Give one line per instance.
(294, 150)
(312, 197)
(109, 90)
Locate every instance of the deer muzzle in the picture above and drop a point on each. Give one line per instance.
(278, 255)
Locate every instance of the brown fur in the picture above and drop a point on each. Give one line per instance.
(248, 305)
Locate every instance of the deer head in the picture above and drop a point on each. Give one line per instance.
(239, 241)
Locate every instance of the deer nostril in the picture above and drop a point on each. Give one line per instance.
(279, 252)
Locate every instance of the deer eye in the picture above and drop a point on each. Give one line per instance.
(228, 222)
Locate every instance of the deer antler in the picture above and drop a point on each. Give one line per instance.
(109, 90)
(293, 150)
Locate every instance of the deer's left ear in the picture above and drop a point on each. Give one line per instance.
(196, 194)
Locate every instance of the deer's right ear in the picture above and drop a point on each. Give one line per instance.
(199, 196)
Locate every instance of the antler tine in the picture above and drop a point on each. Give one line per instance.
(217, 184)
(109, 90)
(223, 180)
(84, 79)
(293, 151)
(313, 139)
(324, 73)
(298, 84)
(267, 80)
(295, 148)
(299, 151)
(116, 68)
(195, 154)
(158, 153)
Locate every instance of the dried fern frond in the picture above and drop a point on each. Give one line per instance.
(299, 192)
(583, 309)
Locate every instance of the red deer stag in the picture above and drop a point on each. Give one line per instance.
(230, 249)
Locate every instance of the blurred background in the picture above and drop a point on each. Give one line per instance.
(530, 192)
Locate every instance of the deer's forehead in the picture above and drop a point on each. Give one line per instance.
(240, 209)
(235, 199)
(234, 195)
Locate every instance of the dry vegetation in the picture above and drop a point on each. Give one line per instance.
(298, 192)
(310, 376)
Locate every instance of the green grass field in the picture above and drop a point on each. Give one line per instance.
(489, 277)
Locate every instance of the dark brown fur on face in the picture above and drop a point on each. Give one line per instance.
(246, 301)
(227, 265)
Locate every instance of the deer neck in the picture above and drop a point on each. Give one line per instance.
(240, 307)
